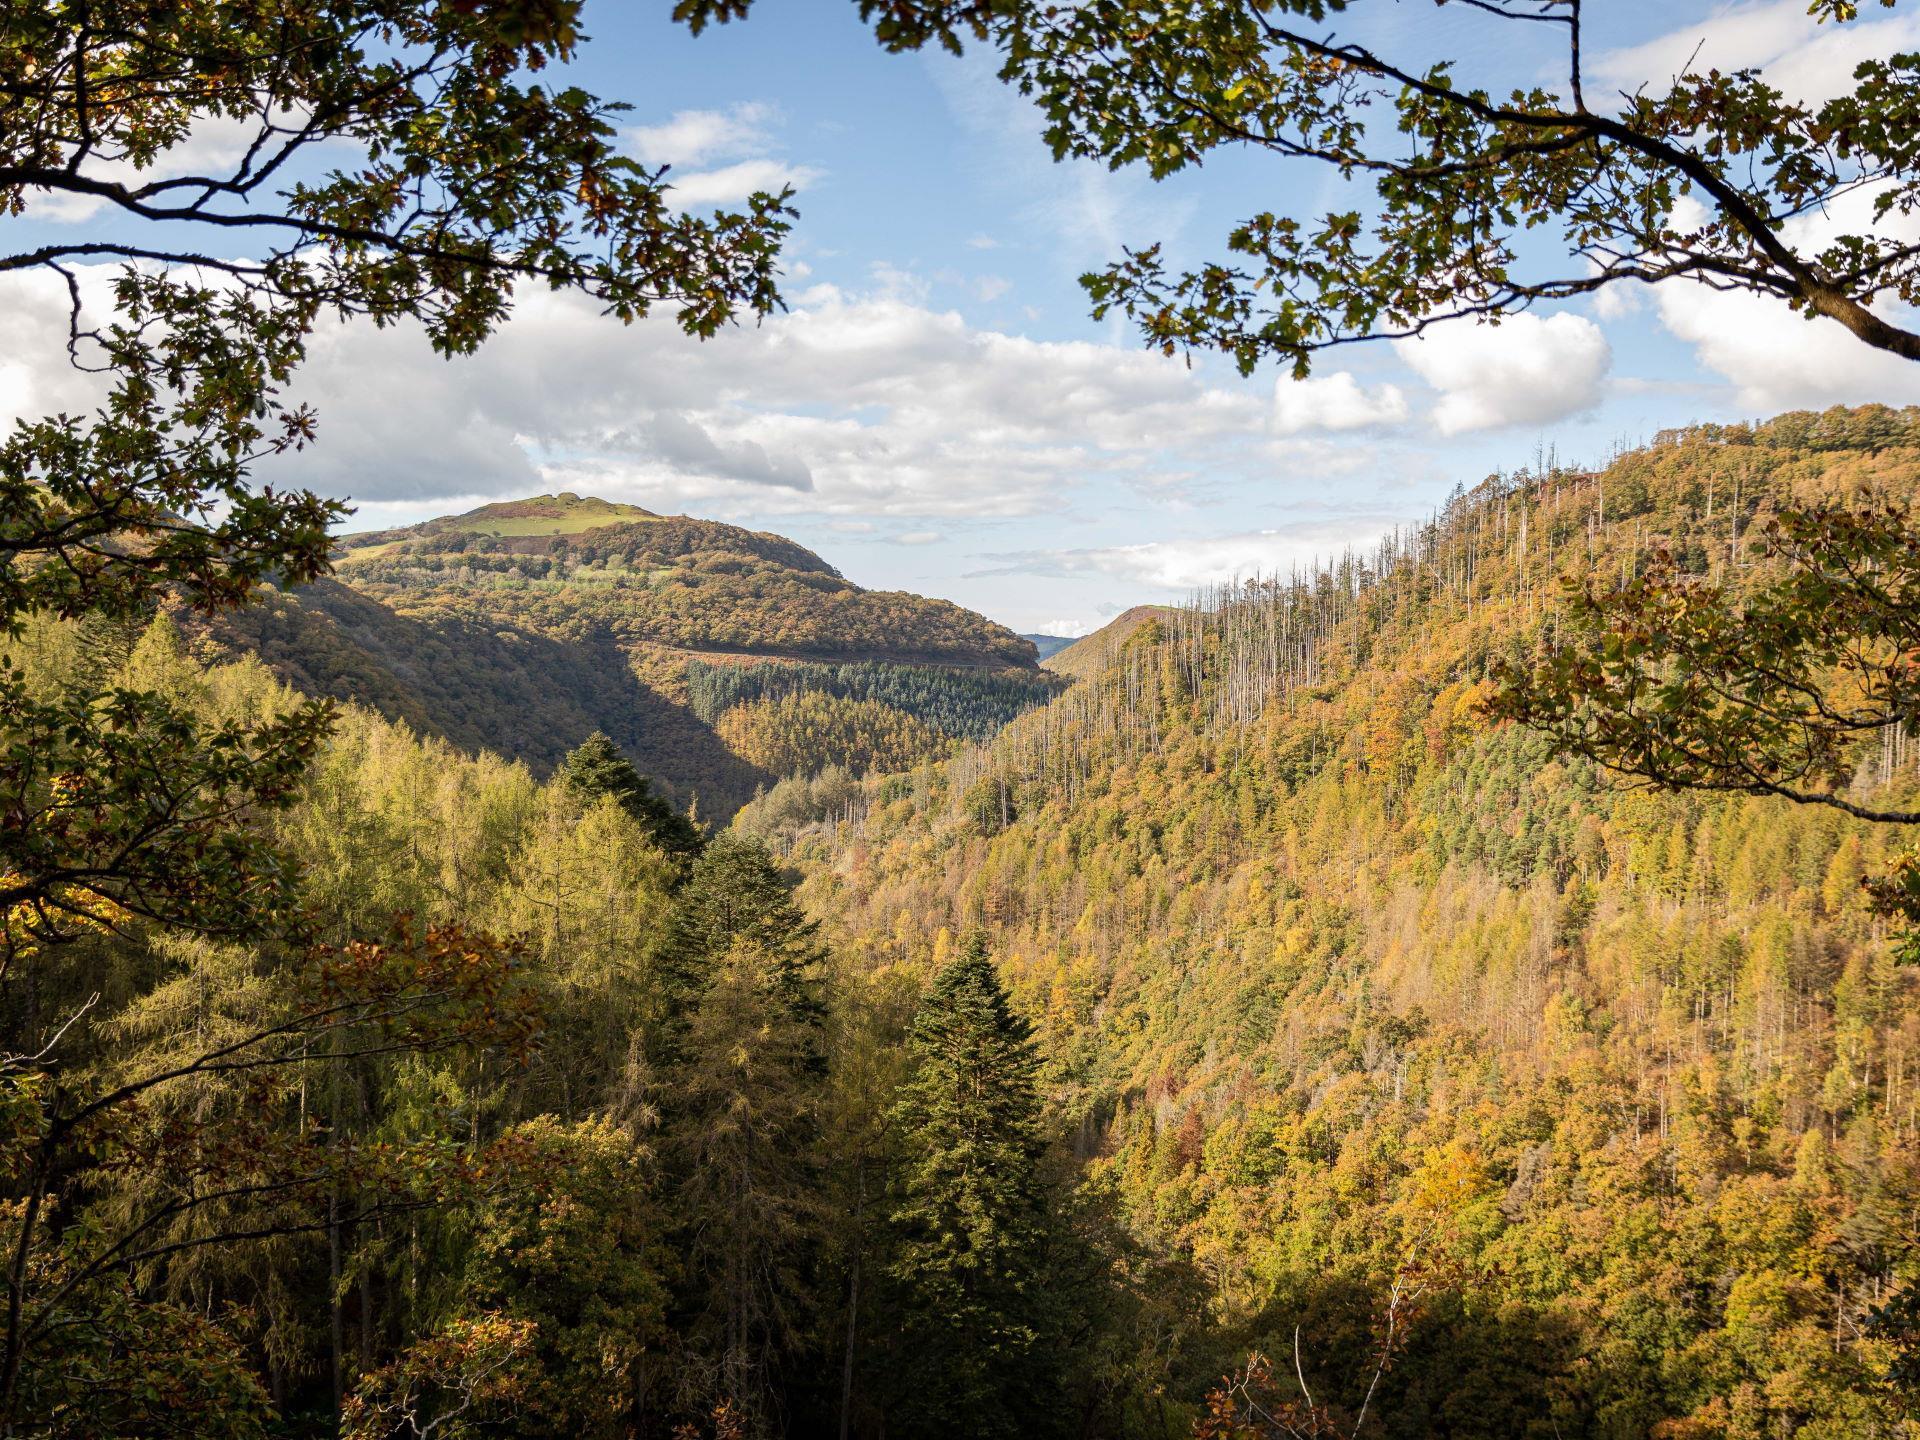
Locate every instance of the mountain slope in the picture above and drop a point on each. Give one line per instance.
(1332, 980)
(1088, 655)
(522, 627)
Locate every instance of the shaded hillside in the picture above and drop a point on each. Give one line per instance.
(1328, 974)
(524, 626)
(513, 691)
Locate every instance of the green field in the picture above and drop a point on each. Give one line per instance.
(562, 514)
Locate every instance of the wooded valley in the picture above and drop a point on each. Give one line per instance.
(1255, 993)
(567, 970)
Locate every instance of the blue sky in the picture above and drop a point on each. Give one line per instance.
(937, 412)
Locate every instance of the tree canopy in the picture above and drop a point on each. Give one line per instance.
(1700, 176)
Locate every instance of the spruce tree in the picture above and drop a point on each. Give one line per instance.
(743, 1146)
(735, 895)
(596, 767)
(970, 1218)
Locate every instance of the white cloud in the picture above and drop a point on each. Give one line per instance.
(732, 184)
(1524, 371)
(1805, 60)
(742, 135)
(919, 537)
(1780, 360)
(1067, 628)
(844, 406)
(1192, 564)
(989, 288)
(1334, 402)
(695, 137)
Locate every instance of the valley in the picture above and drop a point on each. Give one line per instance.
(1397, 918)
(524, 627)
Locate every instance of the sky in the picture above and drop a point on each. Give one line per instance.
(936, 411)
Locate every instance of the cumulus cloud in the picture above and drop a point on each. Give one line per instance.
(1806, 60)
(1183, 565)
(1333, 403)
(1780, 360)
(1527, 370)
(846, 405)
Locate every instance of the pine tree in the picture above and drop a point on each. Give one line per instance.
(970, 1220)
(596, 767)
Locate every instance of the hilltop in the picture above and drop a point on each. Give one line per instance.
(1086, 656)
(562, 514)
(523, 626)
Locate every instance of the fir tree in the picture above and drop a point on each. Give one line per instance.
(596, 767)
(970, 1218)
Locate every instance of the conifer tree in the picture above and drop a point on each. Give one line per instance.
(970, 1217)
(743, 1147)
(743, 1067)
(735, 895)
(596, 767)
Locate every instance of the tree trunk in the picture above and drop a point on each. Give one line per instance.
(853, 1300)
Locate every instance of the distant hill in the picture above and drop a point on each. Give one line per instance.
(1089, 654)
(523, 626)
(1048, 645)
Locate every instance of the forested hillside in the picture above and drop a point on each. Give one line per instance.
(1257, 1008)
(523, 627)
(666, 581)
(1344, 992)
(573, 973)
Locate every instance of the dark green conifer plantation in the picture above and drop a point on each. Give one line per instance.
(970, 1220)
(596, 767)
